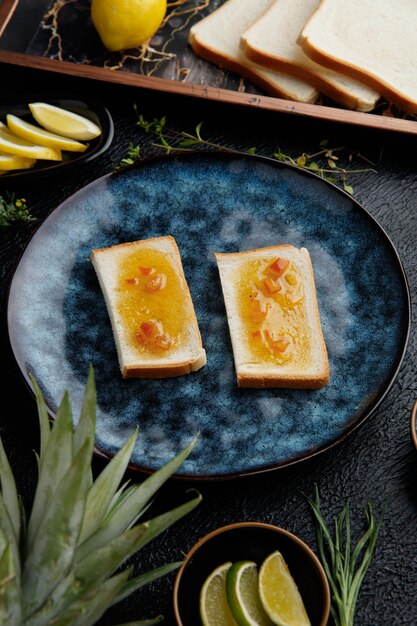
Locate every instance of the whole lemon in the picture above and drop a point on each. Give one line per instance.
(124, 24)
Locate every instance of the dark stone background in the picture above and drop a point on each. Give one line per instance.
(377, 462)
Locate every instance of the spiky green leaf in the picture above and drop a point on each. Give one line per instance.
(85, 430)
(93, 604)
(138, 582)
(10, 605)
(92, 571)
(122, 517)
(51, 554)
(45, 427)
(8, 538)
(8, 488)
(54, 462)
(104, 489)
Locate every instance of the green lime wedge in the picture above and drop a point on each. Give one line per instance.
(214, 609)
(279, 593)
(243, 595)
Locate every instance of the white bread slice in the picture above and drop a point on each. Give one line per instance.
(217, 39)
(120, 270)
(272, 41)
(375, 42)
(304, 363)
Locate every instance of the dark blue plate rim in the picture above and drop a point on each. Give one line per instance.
(101, 115)
(227, 154)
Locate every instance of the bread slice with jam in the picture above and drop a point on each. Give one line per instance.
(150, 307)
(273, 318)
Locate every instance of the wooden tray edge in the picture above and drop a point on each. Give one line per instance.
(326, 113)
(7, 8)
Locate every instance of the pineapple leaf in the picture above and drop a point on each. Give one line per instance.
(45, 427)
(64, 579)
(54, 462)
(144, 579)
(87, 421)
(93, 604)
(94, 569)
(10, 612)
(51, 554)
(86, 424)
(120, 518)
(104, 488)
(8, 538)
(8, 487)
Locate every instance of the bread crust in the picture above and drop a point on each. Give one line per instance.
(274, 378)
(279, 64)
(215, 57)
(368, 78)
(162, 368)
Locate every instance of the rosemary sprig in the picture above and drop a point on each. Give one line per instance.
(323, 162)
(12, 210)
(345, 569)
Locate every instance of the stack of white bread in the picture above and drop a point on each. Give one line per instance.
(353, 51)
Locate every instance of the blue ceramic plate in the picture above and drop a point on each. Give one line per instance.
(86, 107)
(58, 322)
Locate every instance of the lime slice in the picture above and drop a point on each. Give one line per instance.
(13, 162)
(11, 144)
(64, 123)
(214, 610)
(243, 595)
(279, 593)
(42, 137)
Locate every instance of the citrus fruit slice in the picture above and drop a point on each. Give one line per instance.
(11, 144)
(12, 162)
(42, 137)
(214, 609)
(279, 593)
(124, 24)
(243, 595)
(64, 123)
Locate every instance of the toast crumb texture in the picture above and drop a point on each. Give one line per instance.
(182, 358)
(313, 371)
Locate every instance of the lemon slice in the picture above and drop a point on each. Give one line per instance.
(42, 137)
(11, 144)
(13, 162)
(214, 610)
(243, 595)
(279, 593)
(64, 123)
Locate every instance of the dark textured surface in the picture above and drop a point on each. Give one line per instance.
(376, 462)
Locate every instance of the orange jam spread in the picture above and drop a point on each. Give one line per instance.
(151, 302)
(273, 311)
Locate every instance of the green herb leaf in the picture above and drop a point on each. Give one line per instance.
(12, 210)
(340, 563)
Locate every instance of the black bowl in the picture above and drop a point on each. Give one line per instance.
(252, 541)
(86, 107)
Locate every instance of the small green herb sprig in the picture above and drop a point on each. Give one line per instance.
(345, 569)
(325, 162)
(12, 210)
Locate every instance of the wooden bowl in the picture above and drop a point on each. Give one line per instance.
(253, 541)
(413, 425)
